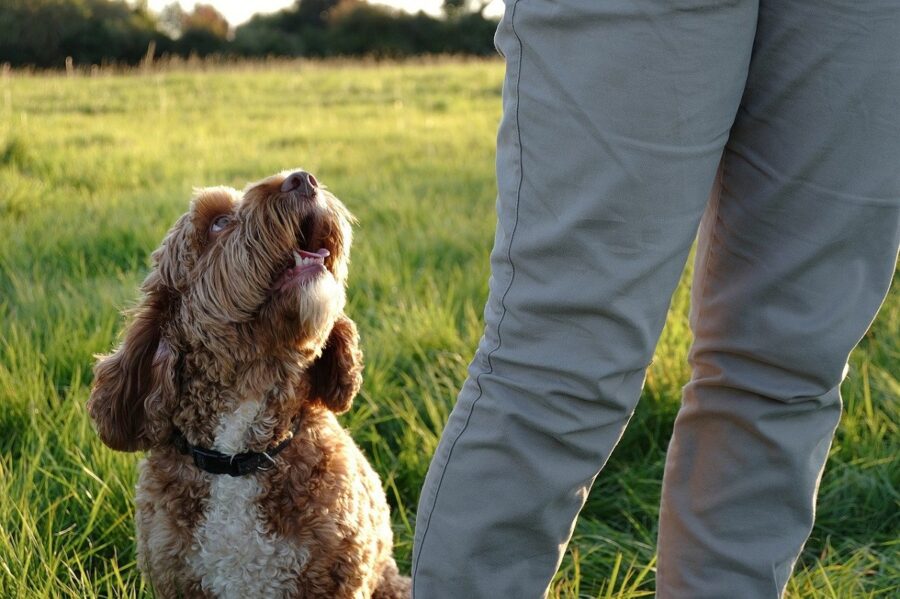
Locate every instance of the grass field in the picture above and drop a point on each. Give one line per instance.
(93, 170)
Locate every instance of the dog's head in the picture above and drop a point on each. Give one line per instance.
(245, 293)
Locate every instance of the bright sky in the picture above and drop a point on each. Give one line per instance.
(238, 11)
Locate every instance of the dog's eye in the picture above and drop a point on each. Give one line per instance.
(220, 223)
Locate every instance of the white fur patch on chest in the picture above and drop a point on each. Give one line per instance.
(234, 556)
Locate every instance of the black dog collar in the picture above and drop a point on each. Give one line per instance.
(216, 462)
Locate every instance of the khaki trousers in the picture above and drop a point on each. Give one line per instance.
(619, 116)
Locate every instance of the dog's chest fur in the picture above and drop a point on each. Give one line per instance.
(232, 554)
(317, 525)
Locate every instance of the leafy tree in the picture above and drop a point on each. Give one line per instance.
(204, 31)
(357, 28)
(44, 32)
(262, 36)
(205, 17)
(171, 20)
(314, 13)
(459, 8)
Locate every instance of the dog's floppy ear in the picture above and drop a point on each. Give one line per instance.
(134, 387)
(336, 375)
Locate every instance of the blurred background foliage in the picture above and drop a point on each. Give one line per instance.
(45, 33)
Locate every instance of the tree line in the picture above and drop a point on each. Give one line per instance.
(45, 33)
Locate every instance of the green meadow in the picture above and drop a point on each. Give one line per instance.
(95, 167)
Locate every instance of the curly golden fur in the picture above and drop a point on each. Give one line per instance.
(239, 339)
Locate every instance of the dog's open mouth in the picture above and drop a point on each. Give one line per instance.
(303, 265)
(306, 266)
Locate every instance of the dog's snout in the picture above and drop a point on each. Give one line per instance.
(300, 181)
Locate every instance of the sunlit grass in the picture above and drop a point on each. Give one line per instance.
(93, 170)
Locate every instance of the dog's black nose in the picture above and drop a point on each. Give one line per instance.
(302, 181)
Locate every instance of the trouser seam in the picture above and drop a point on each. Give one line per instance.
(490, 366)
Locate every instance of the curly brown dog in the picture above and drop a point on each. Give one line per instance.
(230, 374)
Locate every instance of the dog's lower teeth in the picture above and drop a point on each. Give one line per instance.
(303, 260)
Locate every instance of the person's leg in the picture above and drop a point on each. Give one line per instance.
(794, 260)
(615, 116)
